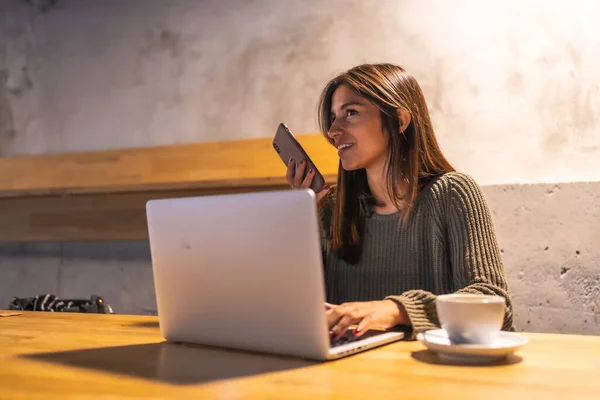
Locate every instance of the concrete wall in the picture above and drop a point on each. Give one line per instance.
(513, 88)
(550, 240)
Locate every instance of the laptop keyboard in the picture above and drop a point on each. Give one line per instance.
(349, 337)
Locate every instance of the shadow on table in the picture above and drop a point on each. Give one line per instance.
(431, 357)
(173, 363)
(144, 324)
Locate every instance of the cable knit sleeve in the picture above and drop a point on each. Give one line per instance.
(474, 255)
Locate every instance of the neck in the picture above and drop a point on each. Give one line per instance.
(377, 180)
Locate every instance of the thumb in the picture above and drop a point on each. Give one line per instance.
(363, 326)
(323, 192)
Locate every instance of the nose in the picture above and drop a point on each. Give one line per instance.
(334, 130)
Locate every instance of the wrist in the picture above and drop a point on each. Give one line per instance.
(398, 312)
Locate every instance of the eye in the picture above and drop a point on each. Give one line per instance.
(331, 118)
(350, 112)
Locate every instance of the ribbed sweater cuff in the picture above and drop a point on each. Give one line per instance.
(420, 308)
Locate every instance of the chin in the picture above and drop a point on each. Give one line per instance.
(351, 166)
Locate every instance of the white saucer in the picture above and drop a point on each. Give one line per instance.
(506, 343)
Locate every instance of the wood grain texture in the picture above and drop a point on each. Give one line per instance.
(230, 164)
(102, 195)
(73, 356)
(89, 217)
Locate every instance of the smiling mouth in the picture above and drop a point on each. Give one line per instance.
(344, 147)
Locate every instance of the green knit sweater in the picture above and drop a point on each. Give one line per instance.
(448, 245)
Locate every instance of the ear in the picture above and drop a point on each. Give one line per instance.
(404, 118)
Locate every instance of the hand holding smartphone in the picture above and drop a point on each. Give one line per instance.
(288, 147)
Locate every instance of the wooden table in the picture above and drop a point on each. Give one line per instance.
(77, 356)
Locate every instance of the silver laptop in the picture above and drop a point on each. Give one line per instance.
(244, 271)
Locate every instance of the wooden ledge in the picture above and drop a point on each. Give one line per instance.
(102, 195)
(232, 164)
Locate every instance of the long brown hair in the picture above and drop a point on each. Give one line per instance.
(414, 156)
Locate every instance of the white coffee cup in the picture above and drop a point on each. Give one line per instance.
(471, 318)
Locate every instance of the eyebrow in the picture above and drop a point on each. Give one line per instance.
(348, 104)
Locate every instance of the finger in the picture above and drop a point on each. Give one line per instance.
(291, 168)
(329, 306)
(299, 173)
(308, 179)
(341, 327)
(333, 315)
(323, 192)
(363, 326)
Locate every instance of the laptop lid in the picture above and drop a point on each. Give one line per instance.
(240, 271)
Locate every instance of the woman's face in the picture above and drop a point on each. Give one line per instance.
(357, 131)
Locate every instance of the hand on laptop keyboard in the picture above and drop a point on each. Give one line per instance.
(347, 337)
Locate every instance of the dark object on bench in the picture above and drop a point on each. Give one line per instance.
(49, 302)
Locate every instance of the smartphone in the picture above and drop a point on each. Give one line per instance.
(287, 146)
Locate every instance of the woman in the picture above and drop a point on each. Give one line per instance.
(401, 226)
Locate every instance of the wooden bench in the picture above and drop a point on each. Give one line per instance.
(101, 195)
